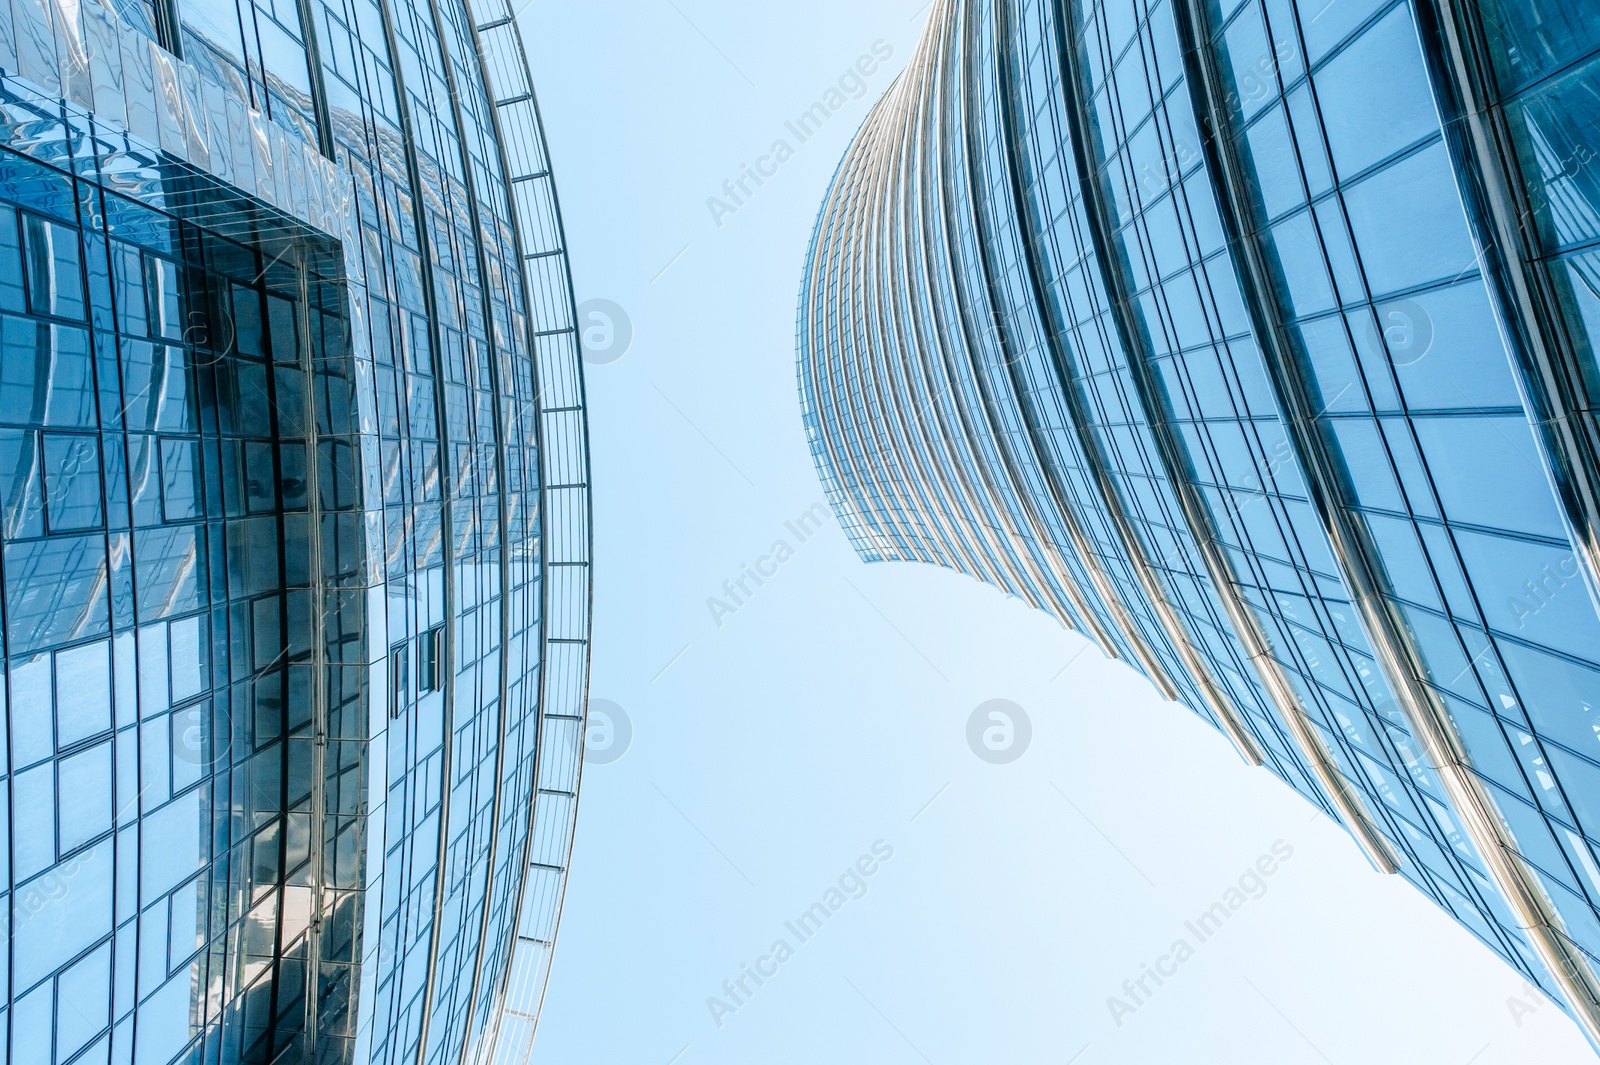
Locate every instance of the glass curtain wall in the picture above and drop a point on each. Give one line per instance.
(1213, 274)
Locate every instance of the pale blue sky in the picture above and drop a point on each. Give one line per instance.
(771, 752)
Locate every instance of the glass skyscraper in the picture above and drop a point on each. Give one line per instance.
(294, 533)
(1255, 340)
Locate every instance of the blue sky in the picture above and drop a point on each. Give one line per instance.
(775, 745)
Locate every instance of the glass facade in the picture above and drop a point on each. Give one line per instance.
(1252, 338)
(294, 533)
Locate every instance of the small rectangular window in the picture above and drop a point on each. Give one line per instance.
(55, 268)
(399, 677)
(163, 298)
(430, 653)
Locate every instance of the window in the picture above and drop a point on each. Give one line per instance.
(399, 677)
(430, 652)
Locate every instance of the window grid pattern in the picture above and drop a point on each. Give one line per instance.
(1440, 464)
(936, 488)
(926, 365)
(447, 253)
(859, 328)
(945, 359)
(840, 433)
(1193, 325)
(1112, 548)
(871, 214)
(936, 485)
(964, 329)
(1038, 132)
(890, 353)
(1046, 413)
(452, 308)
(257, 53)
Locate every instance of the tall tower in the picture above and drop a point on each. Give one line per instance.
(1254, 340)
(294, 543)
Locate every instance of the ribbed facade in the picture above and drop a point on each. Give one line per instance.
(294, 533)
(1253, 340)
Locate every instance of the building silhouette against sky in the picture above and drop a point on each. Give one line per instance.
(1254, 340)
(293, 533)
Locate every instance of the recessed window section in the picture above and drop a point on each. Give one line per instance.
(430, 653)
(161, 292)
(283, 330)
(399, 677)
(247, 321)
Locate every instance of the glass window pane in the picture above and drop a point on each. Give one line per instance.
(83, 687)
(55, 591)
(85, 797)
(180, 479)
(55, 271)
(1375, 95)
(72, 481)
(21, 497)
(169, 570)
(1408, 223)
(44, 374)
(11, 291)
(1487, 472)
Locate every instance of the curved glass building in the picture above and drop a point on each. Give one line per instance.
(1255, 339)
(294, 533)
